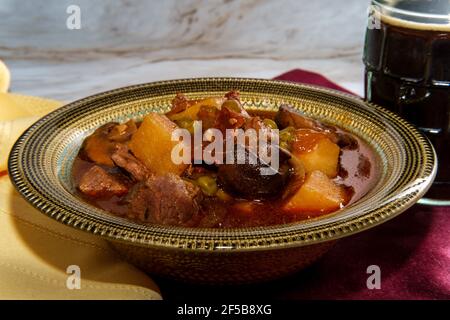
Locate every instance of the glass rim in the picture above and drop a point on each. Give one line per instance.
(411, 16)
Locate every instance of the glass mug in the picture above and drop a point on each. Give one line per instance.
(407, 70)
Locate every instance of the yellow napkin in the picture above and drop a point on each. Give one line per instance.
(41, 258)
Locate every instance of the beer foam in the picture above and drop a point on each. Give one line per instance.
(397, 22)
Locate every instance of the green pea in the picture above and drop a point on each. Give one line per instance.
(208, 185)
(287, 134)
(232, 105)
(270, 123)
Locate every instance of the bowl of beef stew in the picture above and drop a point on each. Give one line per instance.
(200, 179)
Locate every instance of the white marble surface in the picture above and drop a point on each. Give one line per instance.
(127, 42)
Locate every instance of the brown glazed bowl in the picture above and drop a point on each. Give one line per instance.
(41, 160)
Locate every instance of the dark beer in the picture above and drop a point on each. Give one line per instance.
(408, 72)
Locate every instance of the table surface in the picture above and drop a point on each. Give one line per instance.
(69, 81)
(411, 252)
(134, 41)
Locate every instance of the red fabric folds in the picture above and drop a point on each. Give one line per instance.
(412, 250)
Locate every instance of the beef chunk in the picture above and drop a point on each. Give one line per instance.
(138, 202)
(287, 116)
(167, 200)
(179, 104)
(124, 159)
(96, 182)
(290, 117)
(229, 119)
(233, 95)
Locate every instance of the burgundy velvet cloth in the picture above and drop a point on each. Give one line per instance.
(303, 76)
(411, 250)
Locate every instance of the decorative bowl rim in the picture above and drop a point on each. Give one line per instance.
(222, 240)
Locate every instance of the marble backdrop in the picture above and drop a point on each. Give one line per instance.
(133, 41)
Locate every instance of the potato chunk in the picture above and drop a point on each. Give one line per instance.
(152, 144)
(317, 152)
(318, 194)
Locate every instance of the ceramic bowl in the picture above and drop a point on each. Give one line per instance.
(41, 160)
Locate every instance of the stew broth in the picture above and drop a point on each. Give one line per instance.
(356, 175)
